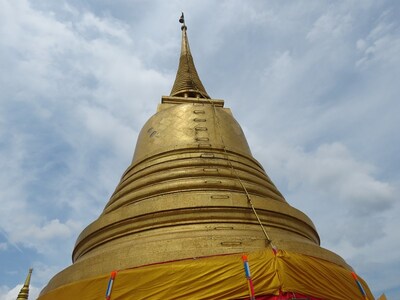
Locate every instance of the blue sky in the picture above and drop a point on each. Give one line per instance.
(314, 84)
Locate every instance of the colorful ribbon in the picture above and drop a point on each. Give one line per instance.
(359, 285)
(110, 285)
(248, 276)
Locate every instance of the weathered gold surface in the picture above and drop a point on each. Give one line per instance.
(24, 293)
(181, 197)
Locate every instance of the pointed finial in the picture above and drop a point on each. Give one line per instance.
(24, 293)
(187, 82)
(182, 21)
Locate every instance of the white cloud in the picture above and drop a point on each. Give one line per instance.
(330, 26)
(50, 230)
(280, 68)
(91, 24)
(381, 45)
(68, 74)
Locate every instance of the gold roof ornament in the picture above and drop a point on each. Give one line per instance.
(192, 201)
(187, 81)
(24, 293)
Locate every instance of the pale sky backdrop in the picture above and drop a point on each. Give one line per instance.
(314, 84)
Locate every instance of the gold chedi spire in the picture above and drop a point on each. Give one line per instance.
(191, 202)
(24, 293)
(187, 81)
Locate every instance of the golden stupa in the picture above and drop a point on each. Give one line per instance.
(195, 216)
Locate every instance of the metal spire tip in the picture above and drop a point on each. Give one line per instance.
(182, 21)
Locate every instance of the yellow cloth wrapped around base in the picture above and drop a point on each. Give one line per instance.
(222, 277)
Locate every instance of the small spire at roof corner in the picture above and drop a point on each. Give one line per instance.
(182, 21)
